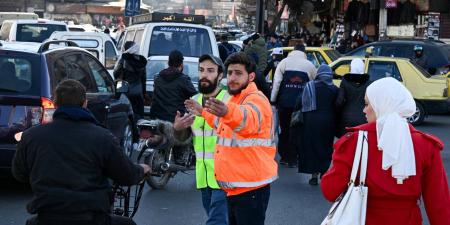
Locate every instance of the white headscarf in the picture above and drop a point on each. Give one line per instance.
(392, 104)
(357, 66)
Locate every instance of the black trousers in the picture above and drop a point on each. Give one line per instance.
(285, 148)
(97, 220)
(249, 208)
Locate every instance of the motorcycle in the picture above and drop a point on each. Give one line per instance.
(159, 149)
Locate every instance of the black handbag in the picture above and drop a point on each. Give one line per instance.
(296, 118)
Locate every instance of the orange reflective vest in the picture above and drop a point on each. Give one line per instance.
(245, 149)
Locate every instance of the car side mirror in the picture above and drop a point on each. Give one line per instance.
(122, 87)
(110, 62)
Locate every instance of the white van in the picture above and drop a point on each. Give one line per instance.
(30, 30)
(160, 33)
(99, 44)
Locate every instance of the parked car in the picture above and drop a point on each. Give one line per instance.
(30, 73)
(438, 52)
(30, 30)
(431, 92)
(98, 44)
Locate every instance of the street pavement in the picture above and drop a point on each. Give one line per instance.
(292, 202)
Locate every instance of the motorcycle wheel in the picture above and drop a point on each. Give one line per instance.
(158, 180)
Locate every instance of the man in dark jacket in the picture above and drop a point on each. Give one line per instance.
(171, 89)
(225, 48)
(68, 163)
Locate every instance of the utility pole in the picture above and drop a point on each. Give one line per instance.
(260, 16)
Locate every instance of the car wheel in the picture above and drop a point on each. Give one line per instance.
(419, 115)
(127, 139)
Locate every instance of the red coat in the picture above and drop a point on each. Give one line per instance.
(390, 203)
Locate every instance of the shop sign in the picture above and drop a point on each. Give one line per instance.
(391, 4)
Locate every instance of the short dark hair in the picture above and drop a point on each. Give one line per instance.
(300, 47)
(175, 58)
(224, 37)
(243, 59)
(70, 93)
(106, 31)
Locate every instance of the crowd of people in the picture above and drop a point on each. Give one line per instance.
(234, 133)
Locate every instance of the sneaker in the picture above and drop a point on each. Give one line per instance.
(292, 165)
(282, 162)
(313, 181)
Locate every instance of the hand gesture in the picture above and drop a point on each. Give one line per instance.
(216, 107)
(183, 122)
(193, 107)
(146, 168)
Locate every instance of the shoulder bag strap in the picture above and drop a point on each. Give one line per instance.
(357, 158)
(365, 152)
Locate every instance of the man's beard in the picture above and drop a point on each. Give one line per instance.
(210, 88)
(239, 89)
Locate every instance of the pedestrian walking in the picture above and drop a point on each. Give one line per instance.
(290, 78)
(204, 140)
(350, 100)
(317, 133)
(404, 165)
(131, 68)
(68, 163)
(257, 50)
(171, 89)
(245, 150)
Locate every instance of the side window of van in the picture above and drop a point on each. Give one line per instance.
(110, 55)
(138, 36)
(130, 35)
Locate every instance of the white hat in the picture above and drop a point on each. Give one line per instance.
(277, 51)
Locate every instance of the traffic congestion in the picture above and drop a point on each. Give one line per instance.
(101, 125)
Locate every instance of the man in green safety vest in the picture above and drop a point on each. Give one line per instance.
(204, 139)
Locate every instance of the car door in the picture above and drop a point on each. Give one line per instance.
(117, 109)
(78, 69)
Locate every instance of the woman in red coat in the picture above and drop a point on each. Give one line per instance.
(404, 164)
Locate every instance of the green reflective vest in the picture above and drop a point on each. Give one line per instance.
(204, 140)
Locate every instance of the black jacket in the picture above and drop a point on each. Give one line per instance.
(171, 89)
(350, 101)
(68, 163)
(131, 68)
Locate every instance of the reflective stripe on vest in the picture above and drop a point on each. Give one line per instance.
(204, 155)
(204, 133)
(224, 184)
(249, 142)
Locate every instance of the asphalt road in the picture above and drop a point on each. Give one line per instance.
(293, 201)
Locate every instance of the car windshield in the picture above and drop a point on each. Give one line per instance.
(37, 32)
(19, 75)
(191, 41)
(155, 66)
(422, 70)
(333, 54)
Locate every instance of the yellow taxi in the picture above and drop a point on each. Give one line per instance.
(430, 92)
(317, 55)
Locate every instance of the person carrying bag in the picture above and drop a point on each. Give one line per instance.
(350, 208)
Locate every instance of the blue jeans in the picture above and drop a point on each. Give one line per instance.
(215, 204)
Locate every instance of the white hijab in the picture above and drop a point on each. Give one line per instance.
(357, 66)
(392, 104)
